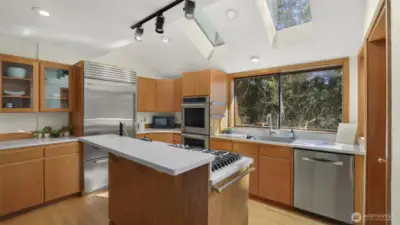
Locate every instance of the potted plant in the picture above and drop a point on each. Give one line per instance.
(38, 134)
(47, 131)
(55, 133)
(67, 130)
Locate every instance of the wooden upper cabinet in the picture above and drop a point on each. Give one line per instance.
(178, 95)
(146, 94)
(188, 82)
(55, 87)
(202, 83)
(19, 84)
(165, 95)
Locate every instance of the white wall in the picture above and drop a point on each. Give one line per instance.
(370, 8)
(395, 111)
(15, 122)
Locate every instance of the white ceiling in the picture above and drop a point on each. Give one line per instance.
(103, 25)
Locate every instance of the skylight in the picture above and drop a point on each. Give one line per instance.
(289, 13)
(208, 29)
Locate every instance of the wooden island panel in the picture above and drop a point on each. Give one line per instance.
(141, 195)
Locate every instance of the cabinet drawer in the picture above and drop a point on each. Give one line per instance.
(219, 144)
(20, 155)
(162, 137)
(140, 136)
(61, 149)
(245, 148)
(274, 151)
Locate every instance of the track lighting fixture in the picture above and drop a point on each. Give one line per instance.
(139, 33)
(189, 9)
(160, 24)
(190, 6)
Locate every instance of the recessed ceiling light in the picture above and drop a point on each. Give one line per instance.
(231, 13)
(40, 11)
(255, 59)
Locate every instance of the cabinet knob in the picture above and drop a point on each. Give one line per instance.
(381, 161)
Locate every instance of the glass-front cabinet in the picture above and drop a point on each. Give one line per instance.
(55, 91)
(19, 86)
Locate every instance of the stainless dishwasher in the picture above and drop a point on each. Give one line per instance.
(323, 184)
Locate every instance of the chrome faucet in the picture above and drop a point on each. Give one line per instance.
(269, 120)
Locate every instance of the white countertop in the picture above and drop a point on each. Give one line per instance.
(34, 142)
(317, 145)
(157, 155)
(156, 130)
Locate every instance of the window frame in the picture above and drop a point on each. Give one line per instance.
(320, 65)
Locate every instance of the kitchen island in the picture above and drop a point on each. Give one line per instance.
(153, 183)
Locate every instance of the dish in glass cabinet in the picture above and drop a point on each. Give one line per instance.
(14, 93)
(16, 72)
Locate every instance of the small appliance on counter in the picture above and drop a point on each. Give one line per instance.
(163, 122)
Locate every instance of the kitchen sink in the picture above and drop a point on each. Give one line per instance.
(275, 139)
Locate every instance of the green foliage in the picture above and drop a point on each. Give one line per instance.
(256, 98)
(310, 100)
(47, 129)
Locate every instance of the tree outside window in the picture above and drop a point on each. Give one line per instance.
(308, 100)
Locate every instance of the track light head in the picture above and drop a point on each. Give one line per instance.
(139, 33)
(189, 9)
(160, 24)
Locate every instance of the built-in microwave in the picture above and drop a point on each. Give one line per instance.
(196, 115)
(163, 122)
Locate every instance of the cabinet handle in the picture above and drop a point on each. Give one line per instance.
(381, 161)
(220, 189)
(337, 163)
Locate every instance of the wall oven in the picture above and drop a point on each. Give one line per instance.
(196, 115)
(195, 140)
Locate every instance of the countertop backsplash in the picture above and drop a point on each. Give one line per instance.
(308, 135)
(26, 122)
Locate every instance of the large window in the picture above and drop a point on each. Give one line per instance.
(308, 100)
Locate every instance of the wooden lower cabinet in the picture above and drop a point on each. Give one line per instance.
(170, 138)
(21, 186)
(250, 150)
(219, 144)
(33, 175)
(62, 176)
(276, 178)
(177, 139)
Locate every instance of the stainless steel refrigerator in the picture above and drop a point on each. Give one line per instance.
(109, 99)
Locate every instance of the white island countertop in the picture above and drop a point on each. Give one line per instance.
(157, 155)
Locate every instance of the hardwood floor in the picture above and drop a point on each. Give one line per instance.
(93, 210)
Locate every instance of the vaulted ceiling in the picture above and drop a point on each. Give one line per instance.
(103, 26)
